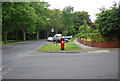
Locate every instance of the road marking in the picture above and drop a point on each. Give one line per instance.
(9, 69)
(100, 51)
(4, 73)
(3, 66)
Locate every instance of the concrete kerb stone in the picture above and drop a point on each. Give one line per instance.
(59, 51)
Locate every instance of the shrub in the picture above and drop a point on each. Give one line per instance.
(109, 38)
(97, 37)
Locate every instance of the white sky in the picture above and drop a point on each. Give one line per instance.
(91, 6)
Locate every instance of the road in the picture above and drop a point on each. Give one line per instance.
(22, 61)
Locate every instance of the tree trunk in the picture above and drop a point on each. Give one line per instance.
(16, 36)
(29, 37)
(24, 35)
(47, 34)
(5, 37)
(13, 36)
(37, 34)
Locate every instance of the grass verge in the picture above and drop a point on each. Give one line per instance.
(53, 47)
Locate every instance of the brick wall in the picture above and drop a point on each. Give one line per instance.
(114, 44)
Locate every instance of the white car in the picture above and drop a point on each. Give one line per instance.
(50, 39)
(57, 35)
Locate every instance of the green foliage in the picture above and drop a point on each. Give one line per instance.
(108, 21)
(64, 33)
(71, 30)
(84, 28)
(56, 20)
(67, 18)
(96, 36)
(0, 22)
(79, 18)
(26, 17)
(31, 20)
(80, 35)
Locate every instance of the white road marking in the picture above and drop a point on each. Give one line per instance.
(100, 51)
(3, 66)
(0, 68)
(4, 73)
(9, 69)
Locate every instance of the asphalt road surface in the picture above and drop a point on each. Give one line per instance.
(22, 61)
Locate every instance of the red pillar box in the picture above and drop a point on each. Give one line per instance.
(62, 43)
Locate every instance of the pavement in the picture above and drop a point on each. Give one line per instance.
(81, 45)
(22, 61)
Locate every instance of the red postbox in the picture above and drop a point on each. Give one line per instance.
(62, 43)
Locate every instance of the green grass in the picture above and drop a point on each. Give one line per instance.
(53, 47)
(71, 40)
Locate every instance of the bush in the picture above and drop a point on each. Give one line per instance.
(109, 38)
(97, 37)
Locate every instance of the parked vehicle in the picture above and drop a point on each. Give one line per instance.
(58, 39)
(67, 37)
(50, 39)
(57, 35)
(60, 35)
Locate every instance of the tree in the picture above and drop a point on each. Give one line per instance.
(79, 19)
(42, 15)
(84, 28)
(24, 17)
(18, 17)
(68, 18)
(108, 21)
(71, 30)
(0, 21)
(56, 20)
(7, 11)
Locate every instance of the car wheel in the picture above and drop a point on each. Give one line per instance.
(54, 42)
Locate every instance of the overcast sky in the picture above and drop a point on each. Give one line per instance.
(91, 6)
